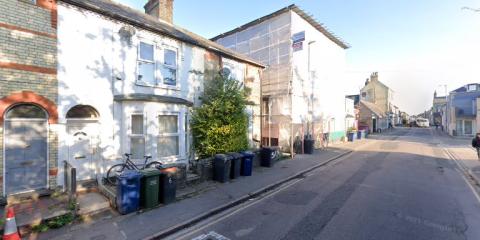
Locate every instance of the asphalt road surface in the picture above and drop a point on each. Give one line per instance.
(400, 186)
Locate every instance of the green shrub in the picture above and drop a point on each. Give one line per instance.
(220, 124)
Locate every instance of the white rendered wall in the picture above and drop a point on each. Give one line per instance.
(327, 67)
(94, 65)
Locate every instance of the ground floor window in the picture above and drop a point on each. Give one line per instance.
(468, 127)
(168, 136)
(464, 127)
(137, 136)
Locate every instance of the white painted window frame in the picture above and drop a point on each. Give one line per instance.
(132, 135)
(158, 61)
(154, 62)
(178, 134)
(160, 82)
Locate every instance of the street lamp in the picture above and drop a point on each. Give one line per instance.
(310, 127)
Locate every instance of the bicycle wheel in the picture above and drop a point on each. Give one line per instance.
(114, 172)
(155, 164)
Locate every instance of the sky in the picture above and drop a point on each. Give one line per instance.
(416, 46)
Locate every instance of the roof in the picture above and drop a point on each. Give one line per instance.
(464, 88)
(301, 13)
(373, 108)
(139, 19)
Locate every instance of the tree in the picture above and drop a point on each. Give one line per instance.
(220, 124)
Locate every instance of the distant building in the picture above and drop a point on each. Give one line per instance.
(462, 107)
(439, 109)
(372, 117)
(377, 98)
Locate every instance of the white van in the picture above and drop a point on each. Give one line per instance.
(422, 122)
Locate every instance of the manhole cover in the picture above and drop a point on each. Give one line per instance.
(211, 236)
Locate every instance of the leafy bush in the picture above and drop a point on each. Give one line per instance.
(220, 124)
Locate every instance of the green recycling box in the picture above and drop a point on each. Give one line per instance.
(149, 188)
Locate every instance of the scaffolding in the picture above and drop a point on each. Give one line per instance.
(269, 43)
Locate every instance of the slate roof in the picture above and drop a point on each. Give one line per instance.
(464, 88)
(139, 19)
(373, 108)
(320, 27)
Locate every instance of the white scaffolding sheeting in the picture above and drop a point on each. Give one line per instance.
(269, 43)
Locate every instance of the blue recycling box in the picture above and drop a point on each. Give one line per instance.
(128, 192)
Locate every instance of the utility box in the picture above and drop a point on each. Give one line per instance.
(149, 188)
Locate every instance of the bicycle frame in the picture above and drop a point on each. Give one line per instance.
(132, 166)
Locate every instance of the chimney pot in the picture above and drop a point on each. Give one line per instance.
(161, 9)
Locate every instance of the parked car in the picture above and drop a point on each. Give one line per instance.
(422, 122)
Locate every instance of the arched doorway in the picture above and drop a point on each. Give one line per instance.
(26, 150)
(82, 130)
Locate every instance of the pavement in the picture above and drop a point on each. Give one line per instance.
(31, 210)
(461, 150)
(401, 185)
(209, 200)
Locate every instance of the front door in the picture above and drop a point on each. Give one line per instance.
(25, 155)
(81, 148)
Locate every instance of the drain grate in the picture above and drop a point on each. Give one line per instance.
(211, 236)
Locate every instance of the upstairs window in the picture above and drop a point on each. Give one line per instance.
(169, 67)
(472, 87)
(146, 64)
(156, 66)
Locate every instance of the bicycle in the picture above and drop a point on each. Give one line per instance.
(117, 169)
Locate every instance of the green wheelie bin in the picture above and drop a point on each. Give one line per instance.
(149, 186)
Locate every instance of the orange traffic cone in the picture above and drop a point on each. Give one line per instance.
(10, 232)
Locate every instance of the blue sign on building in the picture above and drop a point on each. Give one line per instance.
(298, 37)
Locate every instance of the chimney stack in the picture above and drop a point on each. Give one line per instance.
(374, 76)
(161, 9)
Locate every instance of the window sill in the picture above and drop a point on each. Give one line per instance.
(176, 88)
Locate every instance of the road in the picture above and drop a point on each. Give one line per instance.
(400, 186)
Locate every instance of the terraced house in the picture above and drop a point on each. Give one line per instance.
(128, 80)
(28, 95)
(84, 81)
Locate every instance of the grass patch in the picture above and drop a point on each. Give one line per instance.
(56, 222)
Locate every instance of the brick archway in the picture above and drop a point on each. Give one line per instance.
(29, 97)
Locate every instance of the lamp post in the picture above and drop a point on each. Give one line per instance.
(310, 127)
